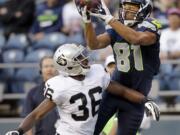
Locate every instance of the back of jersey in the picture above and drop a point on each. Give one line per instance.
(78, 101)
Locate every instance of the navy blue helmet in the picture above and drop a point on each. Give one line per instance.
(145, 9)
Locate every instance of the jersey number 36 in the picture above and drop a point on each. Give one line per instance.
(83, 107)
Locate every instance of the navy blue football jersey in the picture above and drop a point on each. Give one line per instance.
(135, 68)
(132, 58)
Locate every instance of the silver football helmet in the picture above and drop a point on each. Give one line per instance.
(69, 60)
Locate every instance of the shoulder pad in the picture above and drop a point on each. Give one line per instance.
(151, 24)
(56, 81)
(157, 23)
(97, 70)
(97, 67)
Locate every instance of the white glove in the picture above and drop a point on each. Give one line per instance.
(15, 132)
(103, 13)
(85, 15)
(152, 108)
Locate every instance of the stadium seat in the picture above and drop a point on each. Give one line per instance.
(176, 75)
(169, 77)
(2, 41)
(51, 41)
(17, 42)
(36, 55)
(24, 76)
(27, 74)
(77, 38)
(12, 56)
(2, 1)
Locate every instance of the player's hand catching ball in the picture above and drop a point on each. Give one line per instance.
(103, 13)
(85, 15)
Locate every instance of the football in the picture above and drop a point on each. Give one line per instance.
(92, 5)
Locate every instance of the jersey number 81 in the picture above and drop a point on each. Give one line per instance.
(122, 51)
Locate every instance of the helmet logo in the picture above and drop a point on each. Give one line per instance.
(61, 61)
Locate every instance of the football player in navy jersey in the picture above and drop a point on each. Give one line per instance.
(134, 38)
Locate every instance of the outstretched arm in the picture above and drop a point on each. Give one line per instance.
(135, 96)
(93, 41)
(132, 36)
(125, 92)
(33, 117)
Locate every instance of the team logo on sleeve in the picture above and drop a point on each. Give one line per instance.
(61, 61)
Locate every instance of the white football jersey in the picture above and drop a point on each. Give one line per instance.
(78, 101)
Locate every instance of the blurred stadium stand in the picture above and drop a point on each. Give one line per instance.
(2, 41)
(51, 41)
